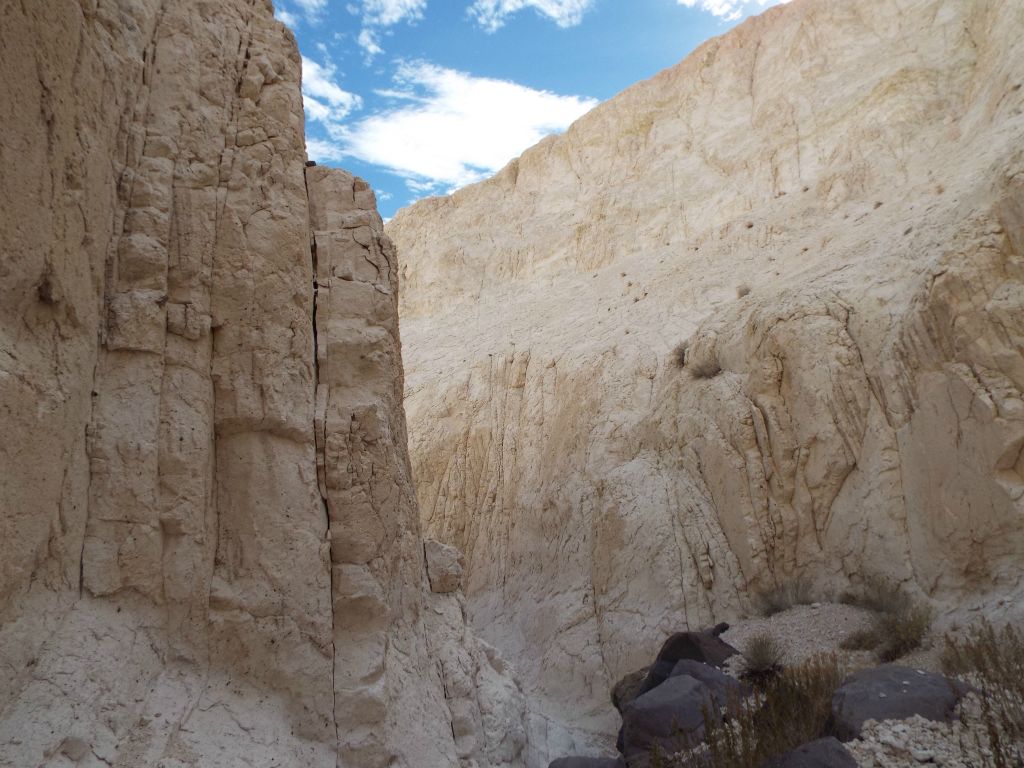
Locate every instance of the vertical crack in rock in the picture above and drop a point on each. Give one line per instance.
(319, 442)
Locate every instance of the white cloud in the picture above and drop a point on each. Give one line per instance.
(325, 101)
(381, 14)
(286, 18)
(729, 10)
(388, 12)
(451, 128)
(370, 43)
(491, 14)
(312, 8)
(323, 151)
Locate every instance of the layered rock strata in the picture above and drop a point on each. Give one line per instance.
(209, 546)
(825, 206)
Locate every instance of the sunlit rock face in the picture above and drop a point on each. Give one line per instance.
(209, 541)
(827, 204)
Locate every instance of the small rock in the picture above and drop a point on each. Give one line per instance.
(444, 566)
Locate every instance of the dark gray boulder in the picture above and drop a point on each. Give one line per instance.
(588, 762)
(891, 692)
(823, 753)
(670, 717)
(723, 688)
(705, 647)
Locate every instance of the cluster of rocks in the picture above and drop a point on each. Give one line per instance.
(664, 709)
(919, 741)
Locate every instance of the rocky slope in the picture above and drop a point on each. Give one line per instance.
(209, 546)
(827, 204)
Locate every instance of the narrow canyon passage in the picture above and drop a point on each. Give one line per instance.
(284, 485)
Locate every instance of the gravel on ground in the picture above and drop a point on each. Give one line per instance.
(806, 630)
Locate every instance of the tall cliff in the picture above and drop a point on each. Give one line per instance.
(825, 206)
(209, 541)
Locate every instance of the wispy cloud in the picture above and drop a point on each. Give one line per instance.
(326, 102)
(450, 128)
(369, 41)
(491, 14)
(384, 13)
(729, 10)
(311, 8)
(378, 16)
(286, 17)
(323, 151)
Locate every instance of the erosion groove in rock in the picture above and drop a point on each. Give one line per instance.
(827, 204)
(209, 541)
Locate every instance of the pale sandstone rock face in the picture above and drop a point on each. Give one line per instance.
(444, 566)
(486, 702)
(857, 165)
(209, 544)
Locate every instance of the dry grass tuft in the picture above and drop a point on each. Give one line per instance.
(783, 596)
(903, 631)
(901, 624)
(993, 662)
(878, 594)
(762, 655)
(862, 640)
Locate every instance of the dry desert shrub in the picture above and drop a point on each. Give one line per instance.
(861, 640)
(878, 594)
(993, 662)
(783, 596)
(792, 709)
(901, 622)
(902, 631)
(762, 658)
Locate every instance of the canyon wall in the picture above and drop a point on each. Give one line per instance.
(825, 208)
(209, 540)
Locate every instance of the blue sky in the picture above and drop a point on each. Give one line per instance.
(421, 97)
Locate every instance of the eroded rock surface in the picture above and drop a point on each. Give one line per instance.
(827, 203)
(209, 541)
